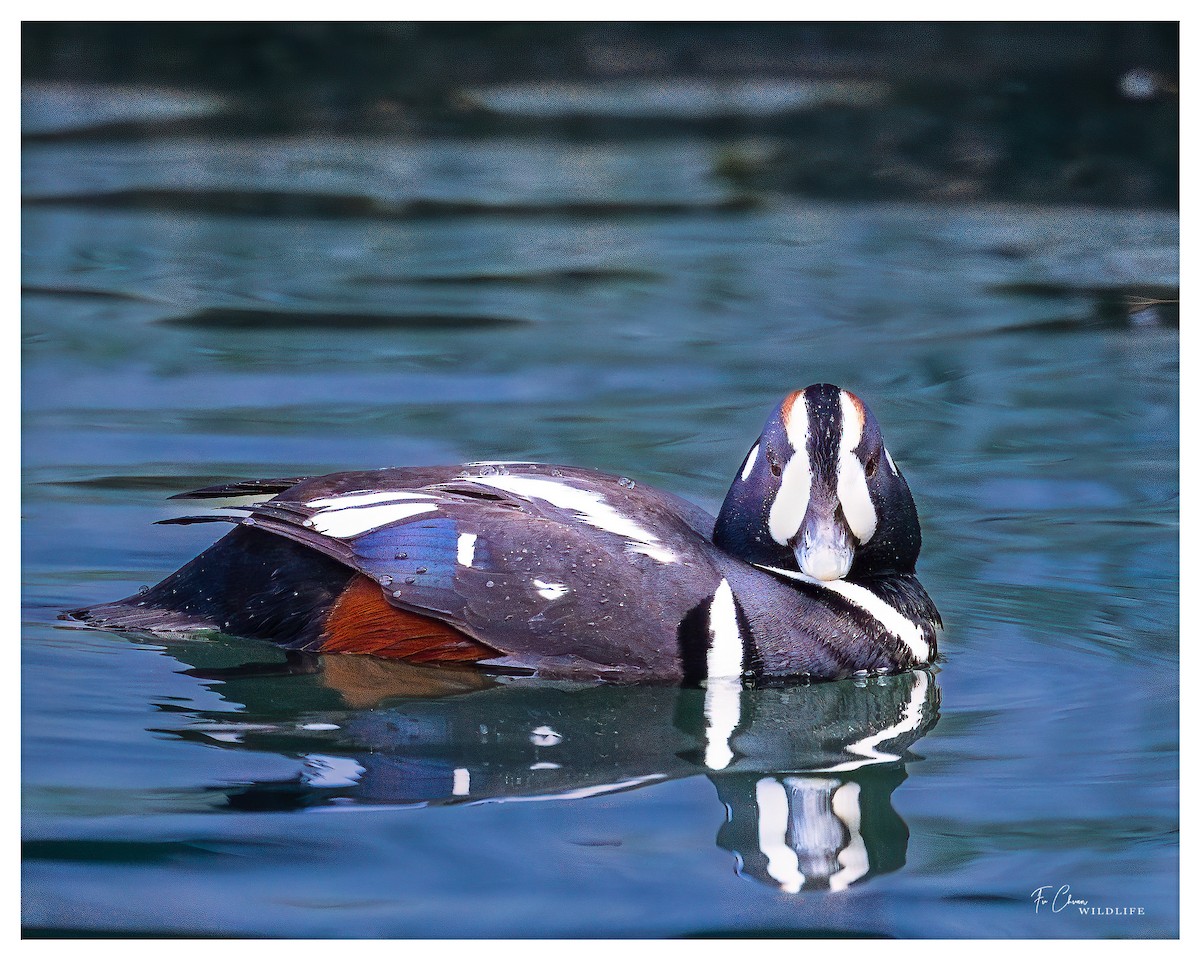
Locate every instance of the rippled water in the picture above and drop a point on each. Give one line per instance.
(199, 310)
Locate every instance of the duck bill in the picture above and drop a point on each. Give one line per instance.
(824, 548)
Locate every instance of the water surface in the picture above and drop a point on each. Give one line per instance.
(615, 307)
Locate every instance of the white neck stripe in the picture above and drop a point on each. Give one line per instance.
(888, 617)
(914, 713)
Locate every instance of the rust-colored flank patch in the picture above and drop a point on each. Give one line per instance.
(365, 681)
(362, 621)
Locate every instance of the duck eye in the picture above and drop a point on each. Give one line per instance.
(773, 460)
(872, 465)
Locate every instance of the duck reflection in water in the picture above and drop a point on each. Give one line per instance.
(805, 773)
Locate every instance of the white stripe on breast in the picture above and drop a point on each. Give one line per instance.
(723, 688)
(888, 617)
(892, 619)
(726, 649)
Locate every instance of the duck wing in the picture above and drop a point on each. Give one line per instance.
(561, 571)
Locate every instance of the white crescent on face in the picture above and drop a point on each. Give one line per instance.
(852, 478)
(751, 458)
(795, 485)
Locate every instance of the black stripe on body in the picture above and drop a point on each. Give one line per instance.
(751, 661)
(249, 583)
(823, 405)
(905, 593)
(854, 638)
(802, 630)
(693, 638)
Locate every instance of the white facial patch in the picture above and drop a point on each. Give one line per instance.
(795, 485)
(751, 457)
(851, 476)
(791, 501)
(891, 463)
(591, 507)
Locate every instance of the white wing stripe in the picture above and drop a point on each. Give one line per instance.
(348, 500)
(592, 508)
(355, 520)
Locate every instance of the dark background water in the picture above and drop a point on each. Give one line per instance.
(614, 247)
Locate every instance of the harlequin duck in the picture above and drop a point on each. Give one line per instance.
(807, 572)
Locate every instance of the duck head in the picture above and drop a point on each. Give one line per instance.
(819, 494)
